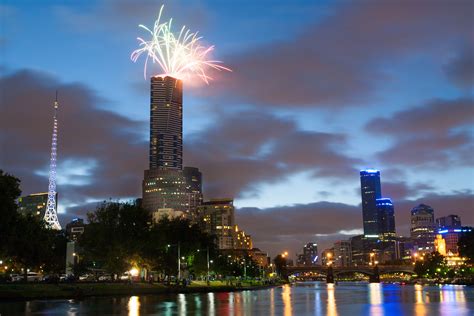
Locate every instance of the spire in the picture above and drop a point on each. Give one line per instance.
(51, 216)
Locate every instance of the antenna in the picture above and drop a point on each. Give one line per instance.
(51, 215)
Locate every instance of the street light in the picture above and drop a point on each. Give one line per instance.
(179, 258)
(207, 250)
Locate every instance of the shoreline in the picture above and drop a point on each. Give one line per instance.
(39, 291)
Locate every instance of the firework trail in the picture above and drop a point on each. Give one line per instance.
(180, 56)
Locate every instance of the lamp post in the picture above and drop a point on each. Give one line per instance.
(208, 263)
(179, 258)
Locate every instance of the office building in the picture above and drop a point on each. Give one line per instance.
(309, 257)
(342, 253)
(193, 178)
(370, 192)
(386, 218)
(34, 204)
(423, 228)
(217, 219)
(164, 188)
(75, 228)
(451, 237)
(450, 221)
(241, 239)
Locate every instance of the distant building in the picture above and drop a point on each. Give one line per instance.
(386, 219)
(34, 204)
(163, 188)
(241, 239)
(327, 257)
(75, 228)
(370, 192)
(309, 257)
(450, 221)
(342, 253)
(217, 219)
(423, 228)
(451, 237)
(260, 257)
(193, 179)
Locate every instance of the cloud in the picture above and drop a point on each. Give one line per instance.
(339, 61)
(432, 135)
(461, 68)
(245, 148)
(100, 153)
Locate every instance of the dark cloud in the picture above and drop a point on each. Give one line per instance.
(99, 152)
(432, 135)
(461, 68)
(339, 61)
(244, 149)
(288, 228)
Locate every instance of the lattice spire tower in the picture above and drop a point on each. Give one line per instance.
(51, 215)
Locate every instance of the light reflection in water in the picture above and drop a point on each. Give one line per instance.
(331, 306)
(272, 302)
(181, 304)
(210, 303)
(376, 299)
(286, 298)
(134, 306)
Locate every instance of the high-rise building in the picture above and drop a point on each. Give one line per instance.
(193, 178)
(166, 123)
(370, 192)
(386, 218)
(241, 239)
(450, 221)
(164, 184)
(342, 253)
(34, 204)
(217, 219)
(423, 227)
(310, 254)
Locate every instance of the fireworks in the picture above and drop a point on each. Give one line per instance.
(180, 56)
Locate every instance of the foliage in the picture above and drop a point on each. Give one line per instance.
(280, 264)
(433, 265)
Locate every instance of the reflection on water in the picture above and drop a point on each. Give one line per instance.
(312, 298)
(134, 306)
(286, 297)
(331, 308)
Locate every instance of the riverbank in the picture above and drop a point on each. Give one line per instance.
(35, 291)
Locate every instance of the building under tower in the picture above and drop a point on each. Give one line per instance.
(386, 219)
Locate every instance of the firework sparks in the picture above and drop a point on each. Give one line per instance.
(180, 56)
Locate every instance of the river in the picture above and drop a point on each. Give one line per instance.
(310, 298)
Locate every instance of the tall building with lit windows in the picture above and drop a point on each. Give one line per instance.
(423, 227)
(166, 123)
(217, 219)
(34, 204)
(386, 219)
(370, 192)
(164, 184)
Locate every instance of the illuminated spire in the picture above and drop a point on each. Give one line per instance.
(51, 216)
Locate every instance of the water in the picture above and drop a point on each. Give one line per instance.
(312, 298)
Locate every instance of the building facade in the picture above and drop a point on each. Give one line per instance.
(164, 188)
(386, 218)
(342, 253)
(166, 123)
(309, 257)
(423, 228)
(370, 192)
(34, 204)
(217, 219)
(193, 178)
(75, 229)
(450, 221)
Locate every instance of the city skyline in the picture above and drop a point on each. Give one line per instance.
(295, 155)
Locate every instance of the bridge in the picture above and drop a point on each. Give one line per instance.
(330, 272)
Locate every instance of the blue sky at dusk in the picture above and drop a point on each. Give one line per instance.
(319, 90)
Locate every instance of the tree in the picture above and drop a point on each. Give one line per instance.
(280, 264)
(433, 265)
(116, 236)
(9, 192)
(466, 245)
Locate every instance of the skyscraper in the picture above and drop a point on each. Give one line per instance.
(164, 184)
(166, 123)
(450, 221)
(386, 219)
(423, 227)
(34, 204)
(370, 192)
(217, 219)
